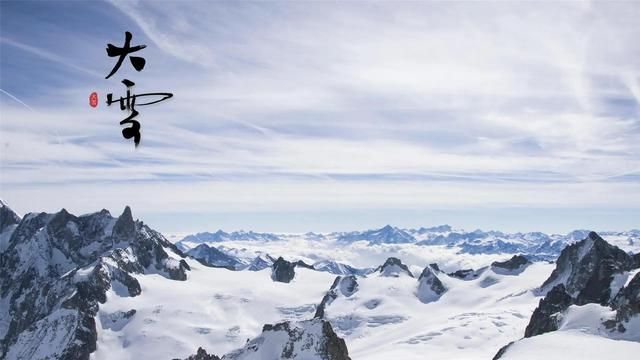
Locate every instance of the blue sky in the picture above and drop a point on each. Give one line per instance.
(328, 116)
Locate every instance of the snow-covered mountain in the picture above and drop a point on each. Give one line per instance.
(337, 268)
(211, 256)
(220, 236)
(103, 287)
(57, 269)
(309, 339)
(385, 235)
(594, 294)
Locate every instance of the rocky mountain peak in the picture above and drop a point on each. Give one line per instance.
(626, 303)
(393, 267)
(467, 274)
(260, 262)
(283, 270)
(202, 354)
(125, 225)
(513, 266)
(309, 339)
(57, 269)
(547, 315)
(586, 269)
(210, 256)
(8, 217)
(430, 288)
(342, 286)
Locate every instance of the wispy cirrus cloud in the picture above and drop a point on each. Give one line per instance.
(338, 106)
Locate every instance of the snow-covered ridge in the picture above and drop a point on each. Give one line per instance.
(587, 292)
(57, 269)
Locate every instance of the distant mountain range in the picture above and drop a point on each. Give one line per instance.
(220, 236)
(537, 244)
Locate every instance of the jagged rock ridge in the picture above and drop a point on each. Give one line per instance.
(309, 339)
(7, 217)
(201, 354)
(430, 288)
(586, 269)
(467, 274)
(627, 304)
(584, 274)
(283, 270)
(342, 285)
(513, 266)
(546, 317)
(210, 256)
(57, 269)
(385, 235)
(393, 267)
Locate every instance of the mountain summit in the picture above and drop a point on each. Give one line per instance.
(57, 269)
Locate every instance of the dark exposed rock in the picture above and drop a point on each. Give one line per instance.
(342, 285)
(502, 351)
(514, 263)
(283, 270)
(202, 354)
(435, 267)
(513, 266)
(393, 267)
(7, 217)
(586, 269)
(327, 299)
(466, 274)
(179, 272)
(348, 285)
(125, 227)
(430, 288)
(584, 273)
(546, 316)
(315, 337)
(626, 303)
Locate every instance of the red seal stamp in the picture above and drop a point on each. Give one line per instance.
(93, 99)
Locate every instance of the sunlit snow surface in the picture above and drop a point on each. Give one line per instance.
(217, 309)
(220, 309)
(470, 321)
(570, 345)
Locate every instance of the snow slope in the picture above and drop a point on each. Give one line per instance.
(571, 345)
(217, 309)
(385, 319)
